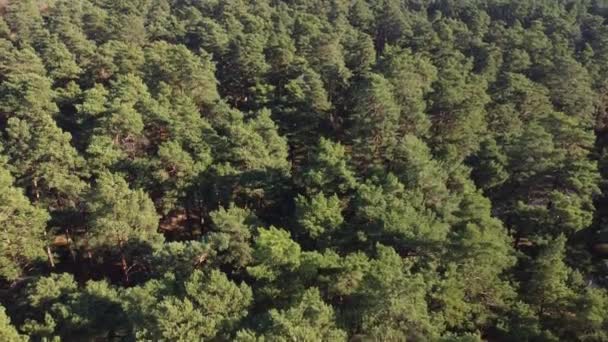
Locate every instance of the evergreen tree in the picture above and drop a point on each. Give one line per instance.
(388, 213)
(457, 107)
(310, 319)
(374, 122)
(231, 235)
(329, 170)
(437, 169)
(319, 216)
(7, 331)
(411, 76)
(207, 306)
(121, 218)
(40, 154)
(23, 230)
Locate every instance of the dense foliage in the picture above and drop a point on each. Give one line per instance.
(304, 170)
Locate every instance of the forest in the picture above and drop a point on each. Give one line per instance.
(304, 170)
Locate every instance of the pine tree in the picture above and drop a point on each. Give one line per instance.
(188, 74)
(373, 125)
(411, 76)
(548, 289)
(329, 170)
(231, 235)
(389, 302)
(121, 218)
(457, 108)
(40, 154)
(309, 319)
(23, 230)
(207, 306)
(388, 213)
(8, 332)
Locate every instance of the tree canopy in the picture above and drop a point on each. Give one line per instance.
(303, 170)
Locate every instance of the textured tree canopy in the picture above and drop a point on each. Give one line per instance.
(304, 170)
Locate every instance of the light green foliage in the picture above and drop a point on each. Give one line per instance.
(412, 162)
(411, 77)
(319, 215)
(329, 169)
(346, 276)
(115, 58)
(59, 61)
(473, 285)
(271, 147)
(390, 214)
(231, 235)
(310, 319)
(561, 202)
(140, 302)
(176, 170)
(490, 165)
(124, 119)
(182, 258)
(5, 31)
(570, 87)
(591, 322)
(40, 154)
(545, 153)
(8, 332)
(93, 102)
(208, 307)
(23, 227)
(184, 143)
(47, 289)
(319, 43)
(251, 162)
(242, 62)
(255, 144)
(274, 252)
(119, 214)
(221, 300)
(391, 302)
(438, 170)
(548, 287)
(360, 53)
(187, 73)
(461, 338)
(24, 18)
(307, 91)
(457, 108)
(181, 321)
(66, 310)
(302, 105)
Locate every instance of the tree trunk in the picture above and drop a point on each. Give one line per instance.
(189, 226)
(517, 239)
(123, 264)
(125, 268)
(49, 254)
(72, 252)
(36, 192)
